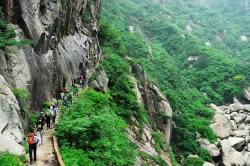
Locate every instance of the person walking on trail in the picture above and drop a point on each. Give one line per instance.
(48, 115)
(54, 113)
(32, 141)
(82, 80)
(40, 131)
(42, 117)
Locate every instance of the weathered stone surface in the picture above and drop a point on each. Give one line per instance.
(247, 139)
(234, 126)
(230, 155)
(11, 132)
(101, 82)
(239, 118)
(208, 164)
(236, 142)
(241, 133)
(236, 107)
(221, 125)
(247, 158)
(223, 108)
(247, 107)
(247, 119)
(215, 108)
(233, 114)
(211, 148)
(8, 143)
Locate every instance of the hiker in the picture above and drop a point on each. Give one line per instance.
(82, 80)
(40, 130)
(74, 89)
(66, 97)
(48, 115)
(42, 117)
(32, 141)
(62, 95)
(54, 113)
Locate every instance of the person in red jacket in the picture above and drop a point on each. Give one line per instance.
(32, 141)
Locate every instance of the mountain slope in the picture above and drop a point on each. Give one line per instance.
(191, 72)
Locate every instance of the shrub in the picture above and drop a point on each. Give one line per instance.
(158, 160)
(8, 159)
(90, 126)
(121, 88)
(75, 157)
(159, 143)
(193, 162)
(23, 97)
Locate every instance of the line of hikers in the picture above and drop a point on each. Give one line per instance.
(49, 115)
(35, 138)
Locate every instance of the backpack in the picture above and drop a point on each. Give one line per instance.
(31, 139)
(39, 126)
(48, 112)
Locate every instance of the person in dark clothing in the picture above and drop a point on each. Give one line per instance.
(42, 117)
(48, 115)
(32, 141)
(40, 131)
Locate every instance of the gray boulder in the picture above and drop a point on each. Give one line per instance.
(247, 158)
(247, 119)
(247, 107)
(101, 82)
(241, 133)
(240, 118)
(208, 164)
(247, 139)
(211, 148)
(230, 155)
(236, 142)
(234, 126)
(236, 107)
(11, 132)
(221, 126)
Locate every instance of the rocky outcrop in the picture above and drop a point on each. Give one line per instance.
(155, 103)
(100, 83)
(11, 131)
(157, 106)
(220, 125)
(208, 164)
(64, 45)
(211, 148)
(231, 124)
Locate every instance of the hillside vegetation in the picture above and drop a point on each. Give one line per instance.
(162, 46)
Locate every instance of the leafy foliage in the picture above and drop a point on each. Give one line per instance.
(91, 127)
(8, 159)
(23, 97)
(193, 162)
(7, 34)
(158, 160)
(159, 143)
(121, 87)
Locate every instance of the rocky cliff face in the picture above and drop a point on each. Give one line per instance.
(157, 107)
(64, 33)
(159, 111)
(11, 131)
